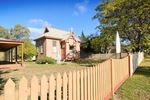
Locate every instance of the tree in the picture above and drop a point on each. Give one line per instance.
(29, 51)
(85, 45)
(129, 17)
(20, 33)
(4, 33)
(96, 45)
(102, 43)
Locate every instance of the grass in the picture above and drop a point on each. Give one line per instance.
(136, 87)
(87, 62)
(31, 69)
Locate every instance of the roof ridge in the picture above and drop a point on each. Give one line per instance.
(58, 29)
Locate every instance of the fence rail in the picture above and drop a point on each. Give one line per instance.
(93, 83)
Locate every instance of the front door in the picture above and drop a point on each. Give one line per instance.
(63, 53)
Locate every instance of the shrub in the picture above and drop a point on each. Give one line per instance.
(44, 60)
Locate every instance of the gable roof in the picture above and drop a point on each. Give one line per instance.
(55, 33)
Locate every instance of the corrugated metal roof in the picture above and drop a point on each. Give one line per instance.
(56, 33)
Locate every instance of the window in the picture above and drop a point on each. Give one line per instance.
(38, 49)
(63, 45)
(54, 47)
(42, 48)
(71, 50)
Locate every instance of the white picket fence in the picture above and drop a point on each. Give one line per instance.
(135, 60)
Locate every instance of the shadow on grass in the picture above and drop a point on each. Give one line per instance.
(4, 80)
(143, 70)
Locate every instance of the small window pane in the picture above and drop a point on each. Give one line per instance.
(71, 50)
(42, 49)
(54, 49)
(54, 43)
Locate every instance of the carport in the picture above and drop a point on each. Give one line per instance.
(7, 46)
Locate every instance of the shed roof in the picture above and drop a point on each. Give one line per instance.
(6, 44)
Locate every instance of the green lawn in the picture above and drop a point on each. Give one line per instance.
(136, 87)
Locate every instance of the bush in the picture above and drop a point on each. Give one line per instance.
(44, 60)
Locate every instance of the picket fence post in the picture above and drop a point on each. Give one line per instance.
(85, 84)
(129, 66)
(82, 91)
(112, 76)
(34, 88)
(44, 88)
(88, 79)
(51, 87)
(23, 89)
(70, 85)
(9, 89)
(78, 85)
(64, 86)
(96, 80)
(74, 85)
(91, 77)
(58, 86)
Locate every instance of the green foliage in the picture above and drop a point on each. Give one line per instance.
(129, 17)
(102, 43)
(29, 51)
(88, 62)
(95, 45)
(85, 45)
(44, 60)
(20, 32)
(4, 33)
(147, 45)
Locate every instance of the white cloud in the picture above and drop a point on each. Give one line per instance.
(80, 7)
(39, 22)
(75, 13)
(36, 27)
(36, 30)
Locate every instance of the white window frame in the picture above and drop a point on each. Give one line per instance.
(71, 51)
(54, 46)
(42, 48)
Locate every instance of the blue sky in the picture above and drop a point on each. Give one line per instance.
(61, 14)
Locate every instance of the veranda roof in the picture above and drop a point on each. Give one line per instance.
(6, 44)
